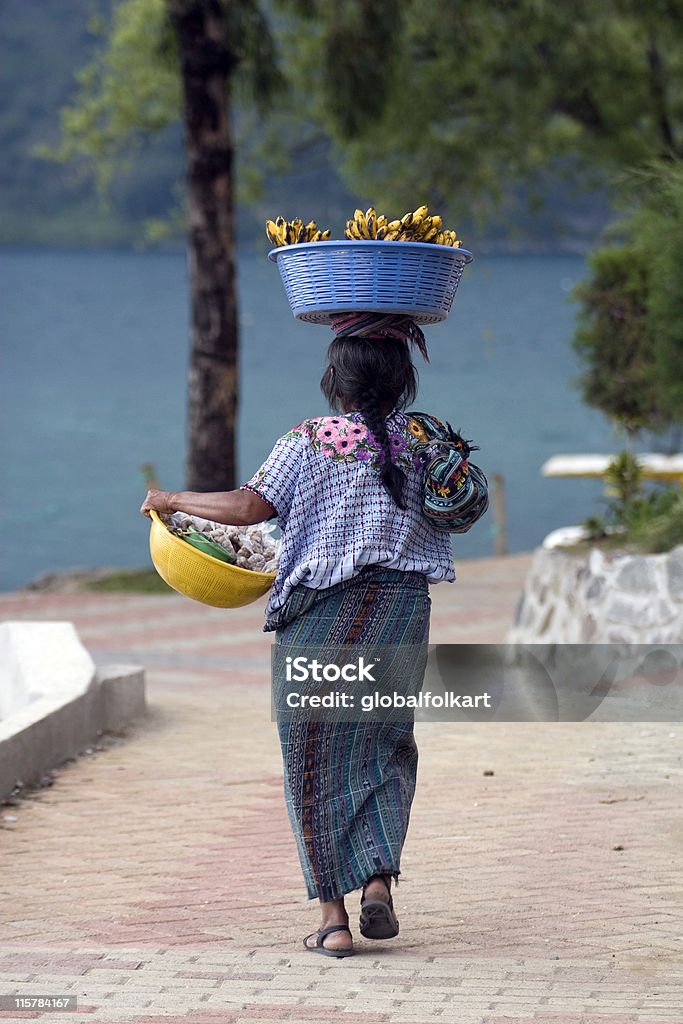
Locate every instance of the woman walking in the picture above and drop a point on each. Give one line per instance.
(357, 558)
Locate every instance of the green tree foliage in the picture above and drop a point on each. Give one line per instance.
(127, 92)
(169, 60)
(56, 203)
(454, 103)
(347, 49)
(488, 93)
(613, 340)
(630, 332)
(126, 98)
(130, 90)
(657, 228)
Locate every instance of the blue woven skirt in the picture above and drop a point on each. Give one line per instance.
(349, 786)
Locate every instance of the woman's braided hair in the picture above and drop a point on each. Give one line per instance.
(373, 376)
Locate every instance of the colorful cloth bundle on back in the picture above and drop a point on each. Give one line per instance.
(456, 491)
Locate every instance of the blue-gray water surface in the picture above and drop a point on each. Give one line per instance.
(94, 379)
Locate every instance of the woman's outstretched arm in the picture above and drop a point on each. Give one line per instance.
(237, 508)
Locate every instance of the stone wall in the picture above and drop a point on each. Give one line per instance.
(598, 597)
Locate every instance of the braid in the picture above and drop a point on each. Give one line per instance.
(371, 374)
(391, 476)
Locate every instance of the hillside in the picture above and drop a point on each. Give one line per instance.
(44, 203)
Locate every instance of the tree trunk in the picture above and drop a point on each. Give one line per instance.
(206, 66)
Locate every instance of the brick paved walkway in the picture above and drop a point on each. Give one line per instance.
(158, 878)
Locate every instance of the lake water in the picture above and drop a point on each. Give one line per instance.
(93, 385)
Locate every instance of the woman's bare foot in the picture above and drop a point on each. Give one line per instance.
(377, 916)
(378, 888)
(333, 913)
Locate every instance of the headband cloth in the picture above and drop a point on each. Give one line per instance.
(379, 325)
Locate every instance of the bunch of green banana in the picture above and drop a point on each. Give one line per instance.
(412, 227)
(292, 232)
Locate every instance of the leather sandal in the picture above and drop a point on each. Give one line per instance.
(321, 934)
(377, 917)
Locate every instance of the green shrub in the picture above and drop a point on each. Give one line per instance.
(629, 337)
(649, 520)
(662, 529)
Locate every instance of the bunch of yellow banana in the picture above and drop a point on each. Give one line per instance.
(366, 225)
(291, 232)
(412, 227)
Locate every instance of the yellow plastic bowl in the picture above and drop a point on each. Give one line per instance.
(200, 576)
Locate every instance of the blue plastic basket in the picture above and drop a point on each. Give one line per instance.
(417, 279)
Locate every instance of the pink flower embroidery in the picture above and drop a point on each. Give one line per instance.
(345, 437)
(358, 431)
(328, 431)
(340, 436)
(344, 445)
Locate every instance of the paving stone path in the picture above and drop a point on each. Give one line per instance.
(158, 881)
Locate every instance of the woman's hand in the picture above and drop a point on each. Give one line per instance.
(160, 501)
(242, 507)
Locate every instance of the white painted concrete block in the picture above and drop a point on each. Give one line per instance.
(41, 660)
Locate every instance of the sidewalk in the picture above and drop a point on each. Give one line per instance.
(158, 879)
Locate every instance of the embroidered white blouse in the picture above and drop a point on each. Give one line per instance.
(336, 517)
